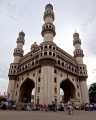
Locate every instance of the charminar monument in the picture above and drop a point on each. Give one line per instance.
(47, 68)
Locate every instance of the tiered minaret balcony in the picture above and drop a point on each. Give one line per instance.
(20, 40)
(78, 53)
(48, 28)
(82, 70)
(13, 70)
(49, 13)
(18, 52)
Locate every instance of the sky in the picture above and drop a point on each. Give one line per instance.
(27, 15)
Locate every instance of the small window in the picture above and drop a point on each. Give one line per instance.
(61, 74)
(30, 54)
(46, 26)
(50, 53)
(26, 66)
(45, 53)
(41, 54)
(55, 80)
(38, 89)
(78, 86)
(54, 54)
(36, 61)
(33, 74)
(53, 48)
(49, 26)
(55, 71)
(69, 67)
(16, 93)
(32, 63)
(72, 69)
(62, 64)
(55, 90)
(40, 71)
(45, 47)
(78, 95)
(17, 85)
(37, 100)
(59, 62)
(50, 47)
(39, 79)
(41, 48)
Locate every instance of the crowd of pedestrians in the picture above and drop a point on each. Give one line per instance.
(69, 107)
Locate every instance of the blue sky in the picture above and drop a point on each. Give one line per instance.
(27, 15)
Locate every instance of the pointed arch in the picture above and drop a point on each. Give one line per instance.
(26, 90)
(69, 89)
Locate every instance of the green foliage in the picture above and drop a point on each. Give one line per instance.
(92, 88)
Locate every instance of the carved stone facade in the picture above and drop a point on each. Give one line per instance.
(47, 68)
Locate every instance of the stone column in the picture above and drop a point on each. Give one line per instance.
(84, 92)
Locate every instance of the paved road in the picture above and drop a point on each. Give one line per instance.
(42, 115)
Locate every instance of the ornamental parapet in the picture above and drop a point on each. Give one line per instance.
(65, 53)
(47, 60)
(66, 69)
(24, 69)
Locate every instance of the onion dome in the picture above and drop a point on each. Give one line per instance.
(76, 34)
(22, 34)
(49, 6)
(34, 45)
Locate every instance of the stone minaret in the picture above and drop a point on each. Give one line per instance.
(48, 29)
(78, 52)
(18, 54)
(18, 51)
(82, 70)
(47, 62)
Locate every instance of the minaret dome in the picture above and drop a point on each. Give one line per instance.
(76, 34)
(22, 34)
(49, 6)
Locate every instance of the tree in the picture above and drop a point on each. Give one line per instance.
(92, 93)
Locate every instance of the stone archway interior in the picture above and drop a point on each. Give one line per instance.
(26, 90)
(68, 89)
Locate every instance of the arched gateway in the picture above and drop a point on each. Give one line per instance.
(26, 89)
(69, 90)
(47, 68)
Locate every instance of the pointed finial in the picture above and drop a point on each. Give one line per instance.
(35, 42)
(75, 31)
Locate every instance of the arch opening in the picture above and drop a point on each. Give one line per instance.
(68, 91)
(27, 91)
